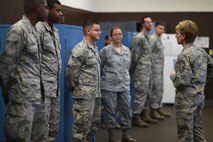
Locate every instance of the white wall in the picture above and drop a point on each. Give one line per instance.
(141, 5)
(153, 5)
(87, 5)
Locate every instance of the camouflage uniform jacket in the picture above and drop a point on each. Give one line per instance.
(20, 63)
(190, 76)
(83, 71)
(141, 54)
(115, 69)
(50, 58)
(157, 52)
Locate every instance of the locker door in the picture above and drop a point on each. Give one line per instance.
(3, 31)
(73, 36)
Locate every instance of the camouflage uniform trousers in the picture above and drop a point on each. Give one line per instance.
(86, 115)
(26, 122)
(156, 94)
(142, 85)
(114, 102)
(53, 107)
(190, 124)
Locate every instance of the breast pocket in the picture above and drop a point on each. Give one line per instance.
(114, 61)
(31, 46)
(48, 43)
(91, 61)
(30, 51)
(126, 61)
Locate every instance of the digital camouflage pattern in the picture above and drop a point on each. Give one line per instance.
(20, 63)
(83, 77)
(189, 80)
(115, 69)
(83, 71)
(115, 86)
(50, 58)
(20, 71)
(26, 122)
(156, 95)
(50, 72)
(141, 64)
(116, 103)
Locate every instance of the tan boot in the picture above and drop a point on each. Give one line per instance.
(118, 126)
(137, 121)
(155, 115)
(128, 140)
(112, 136)
(146, 118)
(126, 137)
(164, 113)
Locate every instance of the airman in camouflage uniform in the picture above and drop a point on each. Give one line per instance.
(83, 77)
(21, 74)
(141, 62)
(51, 65)
(189, 80)
(157, 74)
(115, 85)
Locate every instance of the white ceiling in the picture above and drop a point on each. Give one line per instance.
(87, 5)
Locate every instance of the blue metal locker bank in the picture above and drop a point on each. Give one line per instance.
(69, 37)
(3, 31)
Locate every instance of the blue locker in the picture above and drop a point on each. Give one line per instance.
(3, 31)
(2, 106)
(127, 38)
(69, 37)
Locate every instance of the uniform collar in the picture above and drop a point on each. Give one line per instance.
(188, 46)
(114, 50)
(92, 47)
(48, 28)
(157, 37)
(146, 34)
(28, 25)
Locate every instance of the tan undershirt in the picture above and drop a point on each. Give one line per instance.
(118, 49)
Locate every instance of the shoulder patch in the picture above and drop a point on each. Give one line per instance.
(78, 50)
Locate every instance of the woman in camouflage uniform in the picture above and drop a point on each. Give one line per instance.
(115, 85)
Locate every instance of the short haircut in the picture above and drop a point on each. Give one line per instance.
(189, 29)
(89, 23)
(143, 19)
(29, 6)
(51, 3)
(159, 24)
(113, 28)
